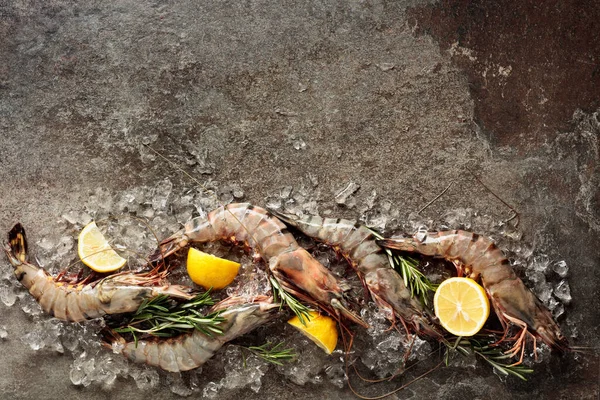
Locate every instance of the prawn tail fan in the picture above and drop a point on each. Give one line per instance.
(17, 241)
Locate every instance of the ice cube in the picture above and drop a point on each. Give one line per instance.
(161, 193)
(561, 268)
(543, 290)
(299, 144)
(237, 192)
(179, 387)
(7, 294)
(273, 203)
(34, 339)
(89, 369)
(543, 353)
(460, 218)
(374, 219)
(126, 202)
(461, 360)
(391, 343)
(540, 263)
(46, 244)
(78, 218)
(370, 201)
(70, 337)
(563, 292)
(552, 303)
(211, 390)
(558, 311)
(225, 197)
(285, 192)
(100, 200)
(64, 246)
(77, 375)
(344, 195)
(336, 375)
(30, 306)
(146, 378)
(3, 332)
(310, 363)
(146, 155)
(109, 380)
(421, 349)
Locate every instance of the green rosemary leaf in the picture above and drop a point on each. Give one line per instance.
(161, 316)
(272, 353)
(279, 294)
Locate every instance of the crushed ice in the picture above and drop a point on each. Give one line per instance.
(164, 208)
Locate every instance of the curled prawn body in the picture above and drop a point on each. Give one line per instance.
(116, 294)
(192, 350)
(479, 257)
(356, 243)
(293, 267)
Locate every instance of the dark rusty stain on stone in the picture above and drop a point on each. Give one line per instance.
(530, 64)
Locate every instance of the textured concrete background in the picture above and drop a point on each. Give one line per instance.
(402, 97)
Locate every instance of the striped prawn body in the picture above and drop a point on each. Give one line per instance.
(115, 294)
(357, 244)
(192, 350)
(479, 258)
(293, 267)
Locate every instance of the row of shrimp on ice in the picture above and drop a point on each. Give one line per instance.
(297, 272)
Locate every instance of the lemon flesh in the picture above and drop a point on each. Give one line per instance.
(320, 329)
(95, 252)
(461, 305)
(210, 271)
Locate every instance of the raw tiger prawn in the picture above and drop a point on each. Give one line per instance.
(357, 244)
(191, 350)
(292, 266)
(478, 257)
(115, 294)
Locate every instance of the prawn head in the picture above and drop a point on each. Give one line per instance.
(304, 276)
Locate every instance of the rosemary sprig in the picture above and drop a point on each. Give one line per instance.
(162, 317)
(414, 280)
(301, 311)
(492, 355)
(272, 353)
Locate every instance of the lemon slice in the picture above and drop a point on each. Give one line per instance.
(210, 271)
(95, 252)
(461, 305)
(320, 329)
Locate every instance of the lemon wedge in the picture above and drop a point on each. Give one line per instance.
(320, 329)
(461, 305)
(95, 252)
(210, 271)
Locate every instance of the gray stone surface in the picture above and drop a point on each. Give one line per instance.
(266, 95)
